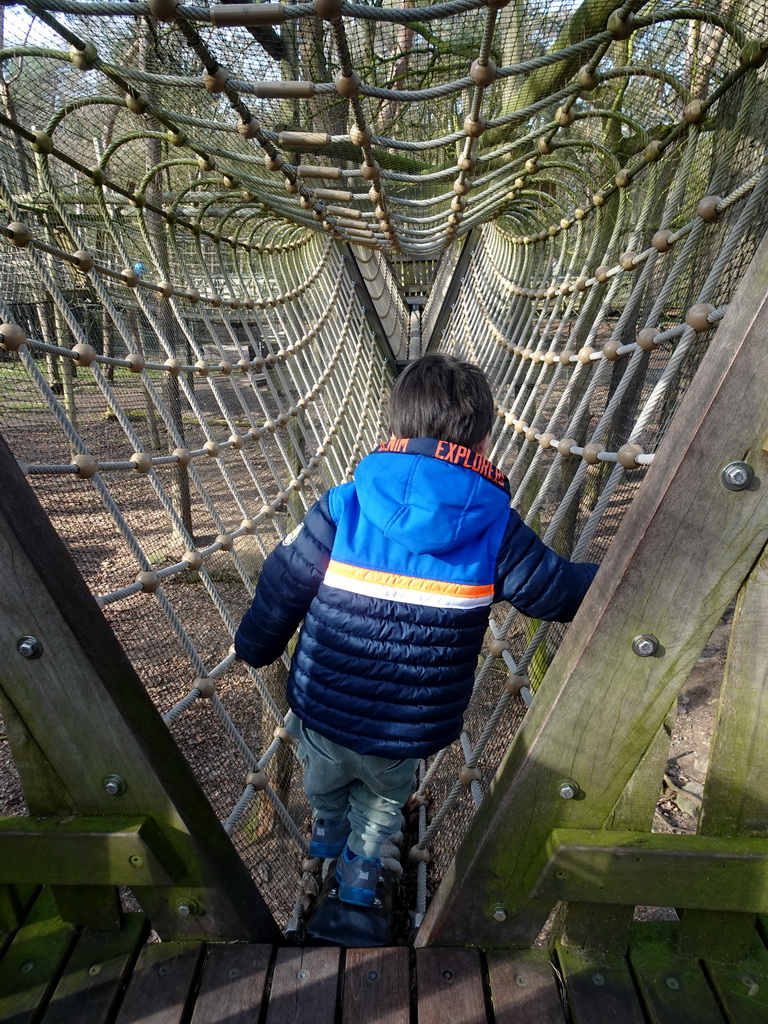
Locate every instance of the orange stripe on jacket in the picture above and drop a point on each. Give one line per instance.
(391, 579)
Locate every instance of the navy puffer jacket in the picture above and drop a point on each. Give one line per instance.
(393, 575)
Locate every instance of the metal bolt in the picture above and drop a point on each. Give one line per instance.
(447, 975)
(234, 972)
(598, 979)
(561, 875)
(94, 970)
(645, 644)
(135, 860)
(29, 647)
(302, 975)
(568, 789)
(672, 983)
(737, 475)
(186, 908)
(113, 784)
(499, 913)
(27, 967)
(521, 980)
(372, 975)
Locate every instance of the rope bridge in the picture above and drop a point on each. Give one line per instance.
(214, 219)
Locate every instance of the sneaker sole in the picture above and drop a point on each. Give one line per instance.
(360, 897)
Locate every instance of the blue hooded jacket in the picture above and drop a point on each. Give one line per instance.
(393, 575)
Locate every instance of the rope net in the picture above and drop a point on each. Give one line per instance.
(224, 227)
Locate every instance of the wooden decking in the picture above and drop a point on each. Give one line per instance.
(59, 974)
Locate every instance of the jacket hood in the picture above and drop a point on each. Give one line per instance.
(403, 494)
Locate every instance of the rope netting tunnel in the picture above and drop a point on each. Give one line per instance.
(220, 225)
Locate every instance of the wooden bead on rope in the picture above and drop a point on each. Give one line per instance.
(248, 526)
(660, 241)
(236, 441)
(211, 448)
(183, 456)
(129, 277)
(707, 209)
(98, 176)
(43, 143)
(216, 81)
(469, 775)
(136, 362)
(193, 559)
(257, 779)
(694, 111)
(224, 366)
(626, 455)
(584, 355)
(620, 26)
(514, 683)
(497, 647)
(546, 440)
(136, 103)
(611, 349)
(646, 338)
(19, 233)
(224, 540)
(696, 317)
(752, 54)
(565, 356)
(623, 177)
(202, 367)
(149, 581)
(360, 136)
(84, 354)
(474, 127)
(347, 85)
(206, 686)
(545, 146)
(83, 260)
(591, 452)
(86, 465)
(418, 856)
(601, 274)
(654, 151)
(281, 733)
(564, 447)
(627, 260)
(370, 171)
(173, 366)
(142, 462)
(483, 75)
(587, 79)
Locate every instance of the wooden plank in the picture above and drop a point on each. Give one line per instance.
(232, 986)
(96, 974)
(450, 978)
(524, 988)
(31, 967)
(742, 987)
(600, 706)
(599, 990)
(674, 989)
(161, 986)
(658, 869)
(15, 901)
(106, 725)
(305, 985)
(65, 851)
(377, 986)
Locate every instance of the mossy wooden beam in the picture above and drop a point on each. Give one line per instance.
(660, 869)
(81, 715)
(680, 555)
(103, 851)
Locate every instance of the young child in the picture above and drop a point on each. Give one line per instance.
(393, 575)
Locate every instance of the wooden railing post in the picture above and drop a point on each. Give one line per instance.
(88, 741)
(682, 552)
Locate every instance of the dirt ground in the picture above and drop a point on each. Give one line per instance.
(678, 808)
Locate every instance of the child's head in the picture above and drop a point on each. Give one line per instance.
(441, 396)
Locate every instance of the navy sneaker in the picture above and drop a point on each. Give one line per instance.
(328, 837)
(357, 878)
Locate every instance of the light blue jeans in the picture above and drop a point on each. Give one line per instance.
(368, 790)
